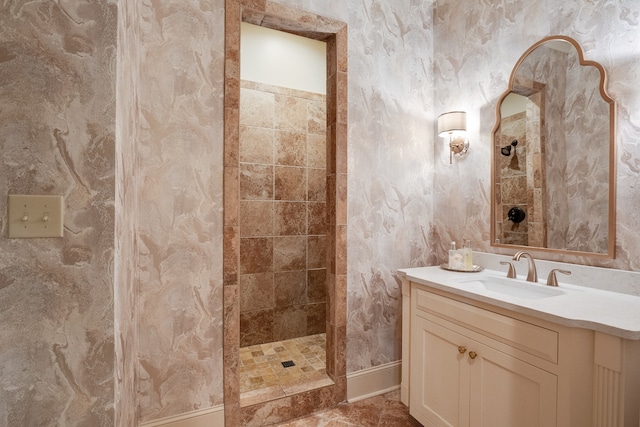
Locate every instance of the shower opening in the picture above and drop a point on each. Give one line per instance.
(283, 222)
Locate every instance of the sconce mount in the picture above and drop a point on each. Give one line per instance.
(458, 145)
(454, 126)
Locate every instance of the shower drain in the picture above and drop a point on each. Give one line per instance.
(288, 364)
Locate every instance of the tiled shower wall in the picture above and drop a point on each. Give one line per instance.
(282, 213)
(511, 179)
(521, 170)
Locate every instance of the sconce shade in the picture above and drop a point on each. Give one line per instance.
(453, 122)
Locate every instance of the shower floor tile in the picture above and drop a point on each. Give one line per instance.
(263, 377)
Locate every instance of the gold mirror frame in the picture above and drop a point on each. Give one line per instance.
(611, 236)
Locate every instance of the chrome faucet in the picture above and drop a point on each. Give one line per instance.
(532, 274)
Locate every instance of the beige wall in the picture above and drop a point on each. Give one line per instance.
(405, 201)
(57, 136)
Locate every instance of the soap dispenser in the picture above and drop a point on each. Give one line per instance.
(456, 261)
(467, 256)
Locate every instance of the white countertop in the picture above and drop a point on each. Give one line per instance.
(604, 311)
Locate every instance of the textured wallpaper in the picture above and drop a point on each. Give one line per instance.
(179, 194)
(57, 136)
(473, 61)
(408, 63)
(390, 166)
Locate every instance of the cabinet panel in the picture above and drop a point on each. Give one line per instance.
(532, 339)
(439, 382)
(450, 389)
(507, 392)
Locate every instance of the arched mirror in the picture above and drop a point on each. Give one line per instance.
(553, 174)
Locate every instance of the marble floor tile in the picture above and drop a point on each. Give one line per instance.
(380, 411)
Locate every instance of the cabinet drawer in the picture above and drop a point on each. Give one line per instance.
(527, 337)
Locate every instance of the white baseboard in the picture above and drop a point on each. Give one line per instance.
(360, 385)
(210, 417)
(373, 381)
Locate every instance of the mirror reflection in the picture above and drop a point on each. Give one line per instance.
(553, 154)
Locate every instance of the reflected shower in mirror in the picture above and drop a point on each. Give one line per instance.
(553, 154)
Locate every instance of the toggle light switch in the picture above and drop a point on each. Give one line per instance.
(35, 216)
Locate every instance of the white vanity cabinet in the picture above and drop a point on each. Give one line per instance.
(472, 364)
(478, 387)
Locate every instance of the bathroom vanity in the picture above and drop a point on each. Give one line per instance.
(483, 350)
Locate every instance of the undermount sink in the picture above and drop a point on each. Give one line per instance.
(513, 287)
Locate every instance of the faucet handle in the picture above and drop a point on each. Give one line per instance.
(552, 280)
(511, 274)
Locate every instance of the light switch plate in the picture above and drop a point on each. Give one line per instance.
(35, 216)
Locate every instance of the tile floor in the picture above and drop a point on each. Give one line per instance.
(262, 376)
(379, 411)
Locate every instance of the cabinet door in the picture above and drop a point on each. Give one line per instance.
(507, 392)
(439, 381)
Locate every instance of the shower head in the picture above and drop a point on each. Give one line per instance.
(506, 150)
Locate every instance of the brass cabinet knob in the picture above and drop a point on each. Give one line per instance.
(462, 349)
(473, 354)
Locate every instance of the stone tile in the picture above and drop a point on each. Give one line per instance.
(290, 183)
(289, 253)
(307, 385)
(289, 322)
(256, 145)
(290, 148)
(261, 395)
(316, 251)
(317, 218)
(256, 292)
(290, 219)
(341, 199)
(317, 116)
(256, 182)
(290, 288)
(256, 255)
(316, 318)
(256, 327)
(231, 196)
(257, 108)
(317, 185)
(317, 151)
(379, 411)
(290, 114)
(256, 218)
(514, 190)
(317, 285)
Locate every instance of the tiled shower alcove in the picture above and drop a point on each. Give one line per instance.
(283, 222)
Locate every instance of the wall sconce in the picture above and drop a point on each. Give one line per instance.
(454, 125)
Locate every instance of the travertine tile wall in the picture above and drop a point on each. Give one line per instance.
(511, 179)
(523, 169)
(283, 221)
(334, 33)
(125, 289)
